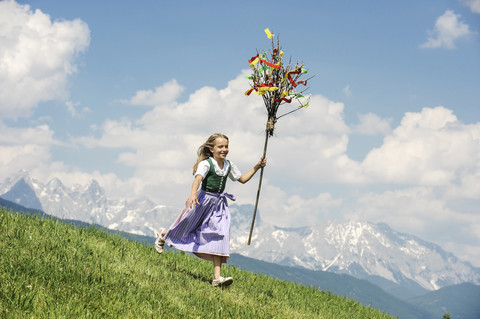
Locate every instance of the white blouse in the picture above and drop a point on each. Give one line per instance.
(204, 167)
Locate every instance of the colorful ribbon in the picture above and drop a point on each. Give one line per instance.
(269, 34)
(283, 99)
(275, 66)
(290, 79)
(265, 81)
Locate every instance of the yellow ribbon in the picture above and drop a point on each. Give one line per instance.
(261, 90)
(267, 88)
(269, 34)
(254, 62)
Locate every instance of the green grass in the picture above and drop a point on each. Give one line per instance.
(49, 269)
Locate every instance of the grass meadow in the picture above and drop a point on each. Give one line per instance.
(50, 269)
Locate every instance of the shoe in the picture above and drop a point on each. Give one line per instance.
(159, 242)
(222, 282)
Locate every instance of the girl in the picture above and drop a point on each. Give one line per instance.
(203, 227)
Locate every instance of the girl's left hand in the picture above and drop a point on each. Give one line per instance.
(262, 162)
(248, 175)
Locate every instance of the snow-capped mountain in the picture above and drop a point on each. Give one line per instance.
(361, 249)
(392, 260)
(88, 204)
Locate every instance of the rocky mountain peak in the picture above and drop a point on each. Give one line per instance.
(23, 194)
(55, 185)
(94, 189)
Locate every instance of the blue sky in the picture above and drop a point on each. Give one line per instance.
(125, 91)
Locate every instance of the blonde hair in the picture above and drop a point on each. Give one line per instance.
(204, 150)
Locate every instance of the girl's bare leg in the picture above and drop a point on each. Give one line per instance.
(217, 266)
(217, 263)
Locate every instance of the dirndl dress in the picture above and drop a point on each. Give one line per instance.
(204, 229)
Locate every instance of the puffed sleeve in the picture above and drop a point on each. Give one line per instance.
(202, 168)
(235, 173)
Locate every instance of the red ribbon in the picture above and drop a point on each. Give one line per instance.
(265, 85)
(270, 64)
(302, 82)
(283, 99)
(297, 71)
(253, 58)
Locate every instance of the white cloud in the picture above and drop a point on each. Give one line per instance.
(428, 148)
(415, 208)
(294, 210)
(36, 57)
(372, 124)
(74, 110)
(474, 5)
(166, 93)
(164, 141)
(426, 211)
(466, 252)
(418, 208)
(447, 30)
(22, 148)
(347, 91)
(31, 149)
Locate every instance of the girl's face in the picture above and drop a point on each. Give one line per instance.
(220, 148)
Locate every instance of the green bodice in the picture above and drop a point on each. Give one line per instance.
(212, 182)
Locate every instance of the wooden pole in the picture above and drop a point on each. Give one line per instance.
(259, 187)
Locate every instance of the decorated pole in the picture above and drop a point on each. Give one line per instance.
(277, 84)
(259, 188)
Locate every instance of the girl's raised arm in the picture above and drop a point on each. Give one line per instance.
(248, 175)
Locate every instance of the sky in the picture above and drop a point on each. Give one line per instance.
(124, 92)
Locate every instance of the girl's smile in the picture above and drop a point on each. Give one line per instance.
(220, 149)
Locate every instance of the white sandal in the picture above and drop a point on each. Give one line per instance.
(159, 241)
(222, 282)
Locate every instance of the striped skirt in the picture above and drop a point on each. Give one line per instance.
(204, 229)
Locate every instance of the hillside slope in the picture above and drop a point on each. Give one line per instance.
(461, 301)
(340, 285)
(52, 269)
